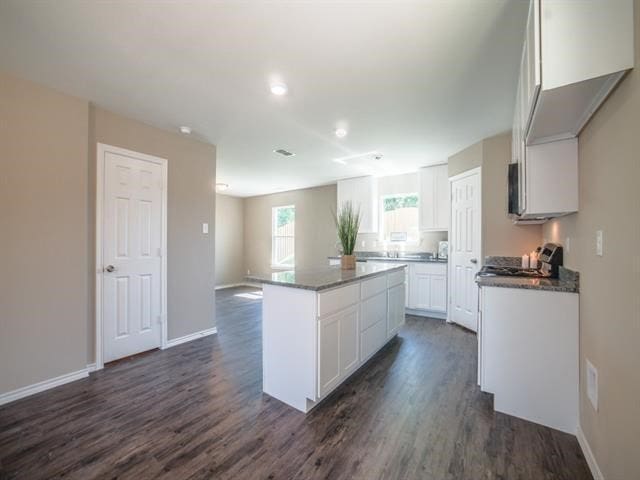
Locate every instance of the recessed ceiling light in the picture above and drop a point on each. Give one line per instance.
(221, 187)
(341, 132)
(279, 88)
(185, 130)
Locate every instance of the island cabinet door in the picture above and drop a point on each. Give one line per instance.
(395, 317)
(338, 336)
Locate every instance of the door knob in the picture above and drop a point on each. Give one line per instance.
(110, 268)
(474, 260)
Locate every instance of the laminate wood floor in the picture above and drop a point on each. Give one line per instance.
(197, 411)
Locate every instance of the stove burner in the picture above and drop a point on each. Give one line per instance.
(495, 271)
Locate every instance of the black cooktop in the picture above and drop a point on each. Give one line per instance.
(495, 271)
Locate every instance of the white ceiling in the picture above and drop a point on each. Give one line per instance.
(416, 81)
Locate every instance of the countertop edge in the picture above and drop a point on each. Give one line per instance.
(327, 286)
(523, 286)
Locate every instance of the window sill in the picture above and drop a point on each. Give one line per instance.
(283, 267)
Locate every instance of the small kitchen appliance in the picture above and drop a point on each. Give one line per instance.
(443, 249)
(550, 259)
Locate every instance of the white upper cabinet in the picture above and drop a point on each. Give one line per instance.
(363, 194)
(574, 54)
(434, 198)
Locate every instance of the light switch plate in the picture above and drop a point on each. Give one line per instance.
(205, 228)
(592, 384)
(599, 241)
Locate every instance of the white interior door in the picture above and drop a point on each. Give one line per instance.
(465, 245)
(132, 241)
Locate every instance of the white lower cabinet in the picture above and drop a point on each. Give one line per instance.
(428, 287)
(395, 317)
(528, 354)
(338, 337)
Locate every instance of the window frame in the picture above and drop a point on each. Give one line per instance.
(382, 234)
(274, 220)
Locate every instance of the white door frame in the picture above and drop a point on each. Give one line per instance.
(100, 178)
(468, 173)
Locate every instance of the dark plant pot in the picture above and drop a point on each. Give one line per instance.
(348, 262)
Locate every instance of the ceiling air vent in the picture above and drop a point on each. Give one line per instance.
(284, 153)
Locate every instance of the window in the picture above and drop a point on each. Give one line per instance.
(283, 226)
(399, 220)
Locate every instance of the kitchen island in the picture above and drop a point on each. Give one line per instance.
(319, 326)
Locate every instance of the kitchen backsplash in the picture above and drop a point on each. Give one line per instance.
(428, 243)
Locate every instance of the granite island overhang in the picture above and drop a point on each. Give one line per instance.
(321, 325)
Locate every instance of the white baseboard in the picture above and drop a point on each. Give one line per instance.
(235, 285)
(588, 455)
(42, 386)
(426, 313)
(91, 367)
(192, 336)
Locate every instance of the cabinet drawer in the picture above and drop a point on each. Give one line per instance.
(429, 268)
(374, 286)
(396, 278)
(372, 339)
(373, 310)
(337, 299)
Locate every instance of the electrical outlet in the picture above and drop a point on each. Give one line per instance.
(248, 272)
(205, 228)
(599, 241)
(592, 384)
(567, 244)
(362, 244)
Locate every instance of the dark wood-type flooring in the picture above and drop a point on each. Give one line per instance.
(197, 411)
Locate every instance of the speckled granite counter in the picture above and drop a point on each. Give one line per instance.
(568, 282)
(416, 259)
(323, 278)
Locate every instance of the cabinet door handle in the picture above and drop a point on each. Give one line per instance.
(474, 260)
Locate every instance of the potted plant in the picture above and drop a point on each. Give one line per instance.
(348, 223)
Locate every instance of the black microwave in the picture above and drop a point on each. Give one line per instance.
(514, 200)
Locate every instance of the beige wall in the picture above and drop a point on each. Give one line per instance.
(499, 235)
(229, 240)
(44, 295)
(315, 230)
(47, 217)
(609, 172)
(191, 202)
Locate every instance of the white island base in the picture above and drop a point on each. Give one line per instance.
(312, 341)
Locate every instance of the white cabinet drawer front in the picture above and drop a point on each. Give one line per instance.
(334, 300)
(373, 310)
(430, 268)
(396, 278)
(372, 339)
(374, 286)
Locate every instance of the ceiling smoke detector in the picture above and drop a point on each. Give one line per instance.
(221, 187)
(185, 130)
(284, 153)
(341, 132)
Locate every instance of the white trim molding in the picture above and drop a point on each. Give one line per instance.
(91, 367)
(102, 149)
(588, 455)
(42, 386)
(241, 284)
(192, 336)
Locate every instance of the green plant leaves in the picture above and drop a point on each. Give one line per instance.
(348, 223)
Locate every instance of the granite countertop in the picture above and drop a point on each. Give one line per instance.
(322, 278)
(549, 284)
(567, 282)
(415, 259)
